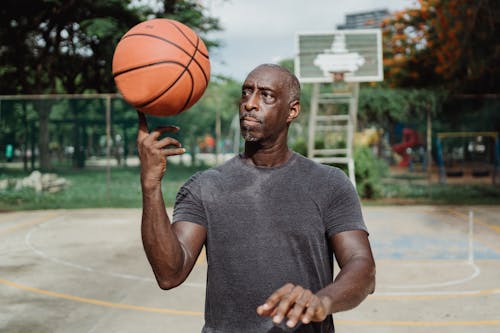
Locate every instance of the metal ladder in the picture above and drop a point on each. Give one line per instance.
(342, 124)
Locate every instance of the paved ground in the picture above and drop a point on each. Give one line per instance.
(85, 271)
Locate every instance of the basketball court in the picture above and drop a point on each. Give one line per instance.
(85, 271)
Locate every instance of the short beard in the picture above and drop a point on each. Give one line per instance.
(247, 135)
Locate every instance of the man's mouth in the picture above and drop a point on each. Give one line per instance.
(249, 121)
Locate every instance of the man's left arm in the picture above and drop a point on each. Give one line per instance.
(355, 281)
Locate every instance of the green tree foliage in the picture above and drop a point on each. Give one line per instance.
(66, 46)
(385, 107)
(219, 101)
(60, 46)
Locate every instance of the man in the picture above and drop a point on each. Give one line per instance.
(270, 219)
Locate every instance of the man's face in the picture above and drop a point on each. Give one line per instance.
(264, 105)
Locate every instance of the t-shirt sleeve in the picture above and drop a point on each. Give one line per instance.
(343, 212)
(188, 204)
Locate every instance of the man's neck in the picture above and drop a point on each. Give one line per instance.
(260, 155)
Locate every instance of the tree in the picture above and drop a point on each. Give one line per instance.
(60, 46)
(449, 43)
(219, 103)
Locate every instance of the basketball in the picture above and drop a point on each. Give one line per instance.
(161, 67)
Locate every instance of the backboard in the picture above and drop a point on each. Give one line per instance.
(320, 54)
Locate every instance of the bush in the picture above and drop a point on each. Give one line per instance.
(369, 171)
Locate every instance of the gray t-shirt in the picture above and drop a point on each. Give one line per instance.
(266, 227)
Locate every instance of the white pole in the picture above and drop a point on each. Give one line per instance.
(312, 120)
(471, 237)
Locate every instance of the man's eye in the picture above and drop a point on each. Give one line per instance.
(245, 92)
(267, 95)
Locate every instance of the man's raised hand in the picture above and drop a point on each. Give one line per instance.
(153, 151)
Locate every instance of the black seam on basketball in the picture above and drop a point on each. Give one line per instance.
(147, 65)
(189, 40)
(186, 68)
(196, 50)
(190, 93)
(173, 83)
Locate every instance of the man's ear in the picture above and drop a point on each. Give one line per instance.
(293, 111)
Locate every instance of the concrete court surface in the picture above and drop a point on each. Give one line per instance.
(85, 271)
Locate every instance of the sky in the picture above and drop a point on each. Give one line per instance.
(264, 31)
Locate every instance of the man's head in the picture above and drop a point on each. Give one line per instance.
(270, 101)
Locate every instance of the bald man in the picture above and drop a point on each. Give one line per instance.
(271, 220)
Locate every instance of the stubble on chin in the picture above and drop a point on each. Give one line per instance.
(246, 133)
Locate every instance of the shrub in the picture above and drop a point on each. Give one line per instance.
(369, 171)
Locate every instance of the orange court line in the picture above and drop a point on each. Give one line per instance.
(479, 221)
(198, 314)
(96, 301)
(41, 219)
(418, 323)
(477, 293)
(202, 258)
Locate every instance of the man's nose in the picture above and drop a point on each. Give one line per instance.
(252, 102)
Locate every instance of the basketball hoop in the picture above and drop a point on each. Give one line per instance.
(338, 76)
(338, 60)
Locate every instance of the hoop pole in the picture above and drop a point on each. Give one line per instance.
(471, 238)
(312, 120)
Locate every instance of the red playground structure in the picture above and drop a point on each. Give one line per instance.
(411, 139)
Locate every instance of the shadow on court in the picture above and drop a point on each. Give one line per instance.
(85, 271)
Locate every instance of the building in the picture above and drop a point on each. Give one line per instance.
(364, 20)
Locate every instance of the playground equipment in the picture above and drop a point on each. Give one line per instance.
(411, 140)
(473, 153)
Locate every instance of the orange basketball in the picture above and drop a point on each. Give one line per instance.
(161, 67)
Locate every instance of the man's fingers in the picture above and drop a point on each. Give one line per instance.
(311, 310)
(158, 131)
(143, 126)
(295, 303)
(168, 141)
(301, 304)
(173, 151)
(286, 303)
(269, 307)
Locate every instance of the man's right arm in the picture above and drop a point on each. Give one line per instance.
(172, 250)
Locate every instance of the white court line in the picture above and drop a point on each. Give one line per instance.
(433, 293)
(476, 272)
(27, 240)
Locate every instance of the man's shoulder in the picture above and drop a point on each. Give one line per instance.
(217, 171)
(311, 166)
(317, 172)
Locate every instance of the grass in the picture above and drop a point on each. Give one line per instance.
(439, 194)
(89, 189)
(414, 188)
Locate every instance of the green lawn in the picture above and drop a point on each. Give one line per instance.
(89, 189)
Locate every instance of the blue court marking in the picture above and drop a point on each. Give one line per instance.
(419, 247)
(420, 236)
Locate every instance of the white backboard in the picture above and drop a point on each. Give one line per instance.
(363, 45)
